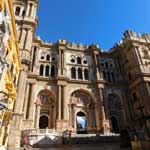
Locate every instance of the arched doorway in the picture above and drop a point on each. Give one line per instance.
(43, 123)
(82, 107)
(114, 124)
(45, 110)
(81, 122)
(114, 107)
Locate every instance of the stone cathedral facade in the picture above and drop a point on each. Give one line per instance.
(68, 86)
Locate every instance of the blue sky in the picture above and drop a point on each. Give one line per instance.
(92, 21)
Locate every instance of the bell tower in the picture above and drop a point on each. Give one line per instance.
(26, 21)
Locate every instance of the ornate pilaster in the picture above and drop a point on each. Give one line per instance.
(59, 103)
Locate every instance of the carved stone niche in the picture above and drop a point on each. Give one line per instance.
(145, 52)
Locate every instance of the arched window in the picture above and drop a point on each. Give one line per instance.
(108, 76)
(48, 57)
(42, 57)
(72, 60)
(106, 64)
(23, 13)
(85, 61)
(104, 75)
(73, 73)
(53, 71)
(53, 59)
(47, 71)
(80, 73)
(78, 60)
(113, 77)
(86, 74)
(17, 12)
(41, 70)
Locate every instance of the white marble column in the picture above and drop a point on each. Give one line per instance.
(32, 11)
(76, 73)
(34, 14)
(83, 75)
(21, 11)
(28, 9)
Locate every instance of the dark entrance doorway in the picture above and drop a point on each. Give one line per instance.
(43, 123)
(81, 123)
(114, 124)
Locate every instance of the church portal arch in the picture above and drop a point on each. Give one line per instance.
(115, 114)
(82, 108)
(45, 109)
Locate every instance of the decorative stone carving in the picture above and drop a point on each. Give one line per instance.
(9, 86)
(146, 54)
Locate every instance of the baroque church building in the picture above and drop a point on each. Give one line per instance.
(67, 86)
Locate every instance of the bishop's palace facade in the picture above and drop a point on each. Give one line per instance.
(63, 84)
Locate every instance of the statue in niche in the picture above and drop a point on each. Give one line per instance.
(146, 54)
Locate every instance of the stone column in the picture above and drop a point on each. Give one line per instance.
(77, 73)
(37, 116)
(88, 120)
(28, 9)
(22, 39)
(34, 14)
(65, 107)
(59, 63)
(102, 104)
(54, 117)
(29, 39)
(21, 11)
(96, 64)
(59, 103)
(64, 62)
(26, 100)
(83, 75)
(97, 118)
(32, 103)
(50, 118)
(32, 11)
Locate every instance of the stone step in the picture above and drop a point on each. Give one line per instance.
(110, 146)
(48, 142)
